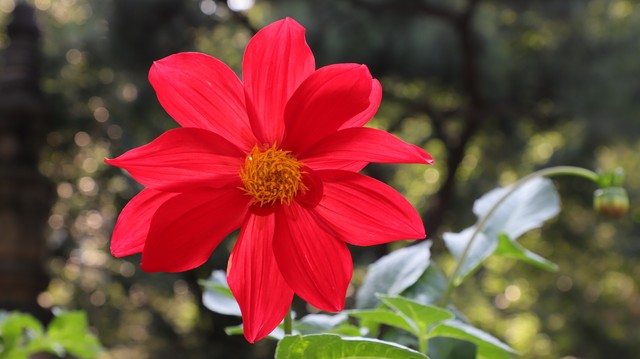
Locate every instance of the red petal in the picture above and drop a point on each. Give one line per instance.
(342, 148)
(186, 228)
(255, 280)
(365, 116)
(184, 158)
(313, 193)
(133, 222)
(315, 264)
(276, 61)
(325, 101)
(200, 91)
(364, 211)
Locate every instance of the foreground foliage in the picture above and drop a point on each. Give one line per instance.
(22, 335)
(404, 307)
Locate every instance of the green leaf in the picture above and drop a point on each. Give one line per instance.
(422, 315)
(325, 323)
(429, 288)
(401, 337)
(217, 296)
(15, 326)
(346, 330)
(44, 344)
(70, 330)
(509, 248)
(488, 347)
(329, 346)
(528, 207)
(386, 317)
(481, 249)
(393, 273)
(318, 323)
(451, 348)
(15, 353)
(309, 324)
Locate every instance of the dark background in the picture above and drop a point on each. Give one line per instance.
(492, 89)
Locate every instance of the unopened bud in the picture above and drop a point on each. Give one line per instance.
(611, 201)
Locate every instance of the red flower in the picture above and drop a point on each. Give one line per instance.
(275, 155)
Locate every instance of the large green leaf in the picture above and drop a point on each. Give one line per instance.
(422, 315)
(393, 273)
(329, 346)
(526, 208)
(217, 296)
(488, 347)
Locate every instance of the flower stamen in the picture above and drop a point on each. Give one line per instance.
(271, 176)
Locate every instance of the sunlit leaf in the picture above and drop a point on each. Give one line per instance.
(46, 344)
(348, 330)
(509, 248)
(70, 330)
(386, 317)
(217, 296)
(328, 346)
(429, 288)
(393, 273)
(423, 315)
(488, 347)
(481, 248)
(526, 208)
(15, 353)
(15, 325)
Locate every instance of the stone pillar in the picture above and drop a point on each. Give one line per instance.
(25, 194)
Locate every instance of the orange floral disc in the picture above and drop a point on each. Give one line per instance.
(271, 176)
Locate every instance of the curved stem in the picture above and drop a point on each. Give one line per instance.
(547, 172)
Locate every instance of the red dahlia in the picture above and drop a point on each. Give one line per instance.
(276, 155)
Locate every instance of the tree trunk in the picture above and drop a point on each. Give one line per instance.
(25, 194)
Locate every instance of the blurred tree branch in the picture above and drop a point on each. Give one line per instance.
(242, 19)
(462, 23)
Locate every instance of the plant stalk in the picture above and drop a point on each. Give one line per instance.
(547, 172)
(287, 323)
(422, 344)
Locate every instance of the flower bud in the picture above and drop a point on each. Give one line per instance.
(611, 201)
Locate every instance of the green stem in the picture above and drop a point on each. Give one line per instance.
(287, 323)
(547, 172)
(422, 344)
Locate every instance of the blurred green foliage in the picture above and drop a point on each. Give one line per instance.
(22, 335)
(494, 89)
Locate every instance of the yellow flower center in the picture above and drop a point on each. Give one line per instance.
(271, 175)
